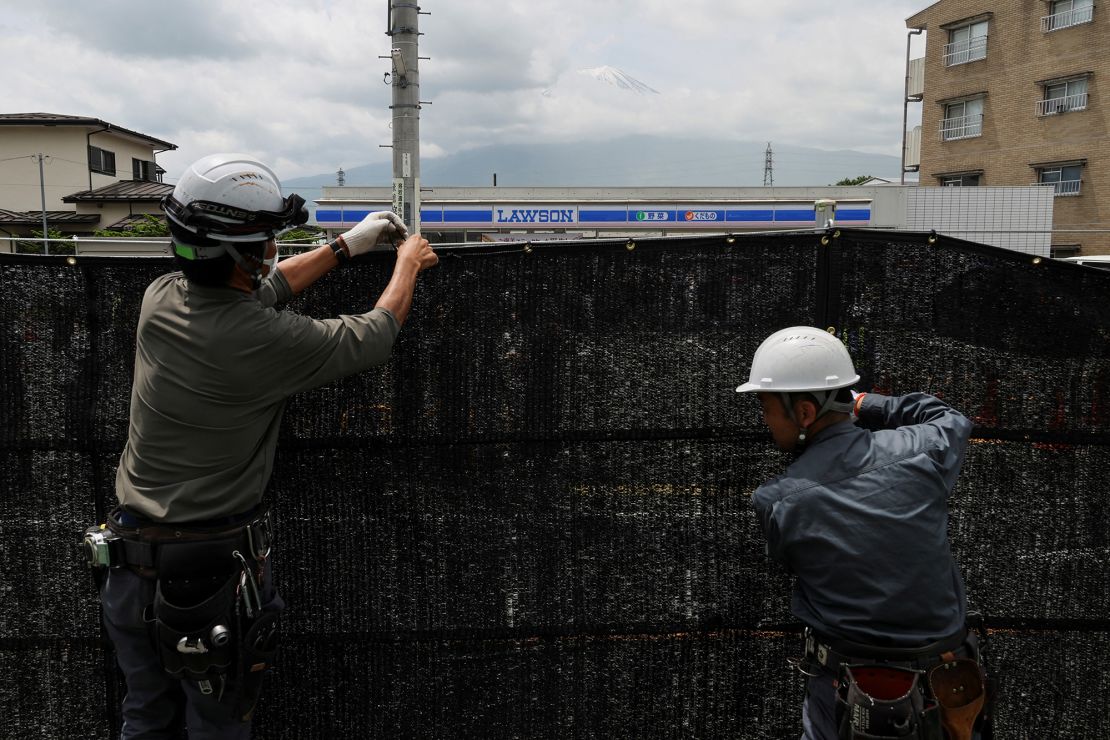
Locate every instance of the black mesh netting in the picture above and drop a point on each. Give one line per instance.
(534, 521)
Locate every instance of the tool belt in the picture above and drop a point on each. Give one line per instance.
(207, 622)
(930, 692)
(831, 654)
(153, 548)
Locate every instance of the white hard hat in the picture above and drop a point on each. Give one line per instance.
(800, 359)
(232, 198)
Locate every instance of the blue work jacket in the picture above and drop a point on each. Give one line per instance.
(861, 520)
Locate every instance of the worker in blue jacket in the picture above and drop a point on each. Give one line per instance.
(860, 518)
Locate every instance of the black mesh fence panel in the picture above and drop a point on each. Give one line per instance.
(535, 520)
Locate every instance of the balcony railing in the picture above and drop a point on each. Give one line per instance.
(962, 52)
(1067, 18)
(1052, 106)
(964, 127)
(1063, 187)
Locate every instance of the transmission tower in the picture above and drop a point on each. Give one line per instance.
(340, 177)
(768, 167)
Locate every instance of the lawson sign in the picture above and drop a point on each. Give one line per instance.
(533, 214)
(707, 215)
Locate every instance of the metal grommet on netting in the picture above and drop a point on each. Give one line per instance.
(730, 239)
(933, 236)
(1038, 260)
(836, 234)
(71, 260)
(528, 247)
(831, 330)
(630, 245)
(825, 241)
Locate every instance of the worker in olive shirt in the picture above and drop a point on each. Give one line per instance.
(193, 615)
(860, 517)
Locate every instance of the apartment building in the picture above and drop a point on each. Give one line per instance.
(1017, 92)
(91, 174)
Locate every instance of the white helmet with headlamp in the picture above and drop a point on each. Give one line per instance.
(231, 199)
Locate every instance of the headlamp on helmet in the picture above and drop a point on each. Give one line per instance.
(219, 221)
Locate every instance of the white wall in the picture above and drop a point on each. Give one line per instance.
(65, 170)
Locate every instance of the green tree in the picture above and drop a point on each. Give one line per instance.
(149, 226)
(301, 239)
(854, 180)
(59, 243)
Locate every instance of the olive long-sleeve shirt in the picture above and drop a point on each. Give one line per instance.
(213, 370)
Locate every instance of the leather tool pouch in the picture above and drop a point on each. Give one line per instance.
(258, 649)
(879, 701)
(959, 688)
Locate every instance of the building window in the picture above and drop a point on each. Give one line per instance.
(1063, 96)
(966, 44)
(1065, 179)
(144, 170)
(102, 161)
(962, 120)
(959, 181)
(1067, 13)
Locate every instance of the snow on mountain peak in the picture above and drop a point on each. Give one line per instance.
(617, 78)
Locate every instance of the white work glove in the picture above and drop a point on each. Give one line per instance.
(370, 230)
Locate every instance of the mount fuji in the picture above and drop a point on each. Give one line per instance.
(619, 79)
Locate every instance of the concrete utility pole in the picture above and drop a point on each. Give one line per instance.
(405, 34)
(42, 194)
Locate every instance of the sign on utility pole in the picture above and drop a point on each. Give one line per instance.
(405, 78)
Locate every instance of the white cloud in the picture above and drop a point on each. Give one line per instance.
(299, 84)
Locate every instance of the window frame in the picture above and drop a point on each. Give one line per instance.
(961, 181)
(1062, 186)
(966, 130)
(973, 50)
(102, 161)
(1076, 15)
(140, 168)
(1052, 104)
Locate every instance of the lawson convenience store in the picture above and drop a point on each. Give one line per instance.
(1018, 218)
(470, 214)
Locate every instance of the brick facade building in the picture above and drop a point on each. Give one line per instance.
(1017, 92)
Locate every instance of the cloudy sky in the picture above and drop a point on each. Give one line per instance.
(299, 83)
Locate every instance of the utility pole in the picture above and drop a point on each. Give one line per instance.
(42, 194)
(405, 79)
(768, 168)
(340, 177)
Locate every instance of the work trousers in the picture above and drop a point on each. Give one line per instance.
(819, 709)
(157, 705)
